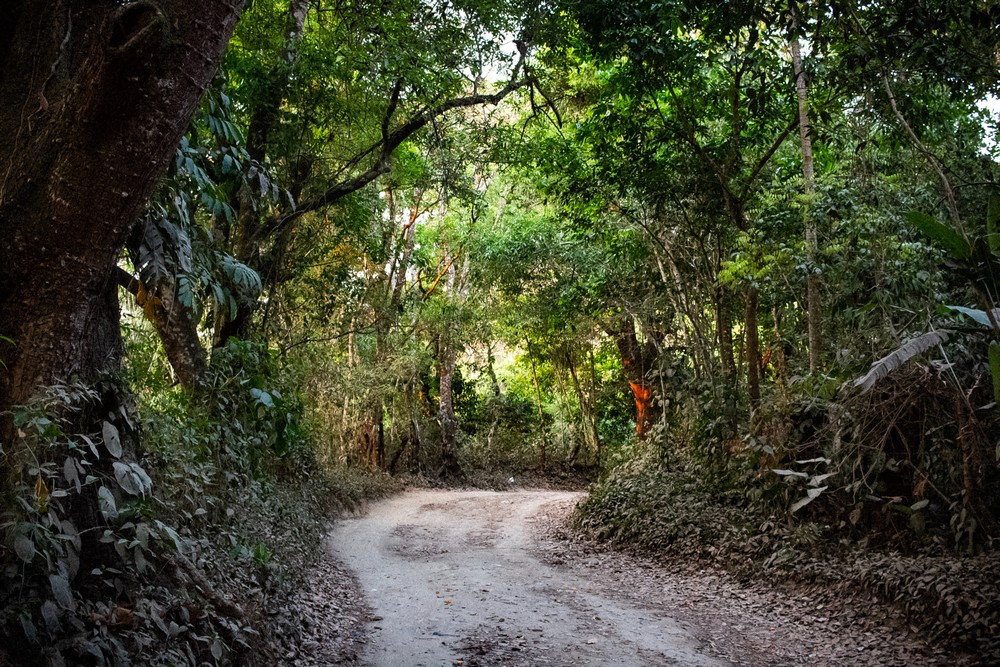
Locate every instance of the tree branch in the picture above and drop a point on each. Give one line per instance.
(391, 140)
(126, 281)
(766, 157)
(689, 135)
(935, 163)
(447, 266)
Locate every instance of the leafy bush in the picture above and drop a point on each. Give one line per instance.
(865, 493)
(667, 510)
(222, 511)
(68, 592)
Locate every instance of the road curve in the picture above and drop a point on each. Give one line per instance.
(451, 580)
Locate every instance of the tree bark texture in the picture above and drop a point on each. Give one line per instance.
(753, 346)
(96, 97)
(813, 298)
(177, 329)
(637, 360)
(446, 365)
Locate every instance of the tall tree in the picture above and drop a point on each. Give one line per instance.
(95, 100)
(701, 104)
(814, 311)
(391, 79)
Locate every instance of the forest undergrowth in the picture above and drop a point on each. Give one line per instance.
(217, 525)
(208, 537)
(842, 505)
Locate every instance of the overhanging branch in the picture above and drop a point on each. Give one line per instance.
(391, 140)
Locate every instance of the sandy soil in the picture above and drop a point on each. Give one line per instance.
(482, 578)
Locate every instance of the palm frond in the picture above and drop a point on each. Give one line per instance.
(900, 356)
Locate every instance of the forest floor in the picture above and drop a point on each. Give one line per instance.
(481, 578)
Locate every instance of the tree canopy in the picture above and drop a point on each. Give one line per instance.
(739, 250)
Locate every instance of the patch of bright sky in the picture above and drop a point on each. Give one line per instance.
(991, 125)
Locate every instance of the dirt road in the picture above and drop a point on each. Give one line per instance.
(475, 578)
(452, 580)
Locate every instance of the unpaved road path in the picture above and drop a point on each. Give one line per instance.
(478, 578)
(451, 579)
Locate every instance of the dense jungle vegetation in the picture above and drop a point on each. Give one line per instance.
(736, 262)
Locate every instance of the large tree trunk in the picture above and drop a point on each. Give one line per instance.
(637, 360)
(96, 97)
(446, 365)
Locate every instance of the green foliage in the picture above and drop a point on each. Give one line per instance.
(941, 234)
(631, 226)
(227, 486)
(247, 421)
(176, 240)
(63, 571)
(978, 263)
(503, 432)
